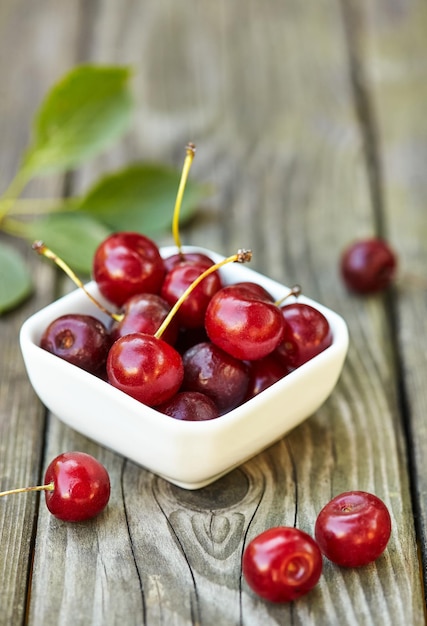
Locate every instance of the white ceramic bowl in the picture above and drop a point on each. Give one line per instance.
(188, 454)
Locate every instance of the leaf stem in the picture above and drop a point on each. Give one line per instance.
(14, 189)
(31, 206)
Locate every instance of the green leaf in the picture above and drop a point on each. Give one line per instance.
(72, 236)
(81, 114)
(142, 198)
(15, 280)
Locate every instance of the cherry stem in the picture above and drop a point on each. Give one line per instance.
(293, 291)
(49, 487)
(43, 250)
(190, 152)
(241, 256)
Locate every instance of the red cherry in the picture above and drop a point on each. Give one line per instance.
(306, 334)
(263, 373)
(282, 564)
(145, 367)
(257, 290)
(191, 313)
(82, 340)
(186, 257)
(242, 324)
(81, 486)
(368, 266)
(190, 406)
(211, 371)
(77, 487)
(126, 264)
(144, 313)
(353, 529)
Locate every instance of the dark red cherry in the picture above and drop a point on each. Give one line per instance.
(306, 333)
(263, 373)
(368, 266)
(145, 367)
(144, 313)
(189, 337)
(186, 257)
(190, 406)
(242, 324)
(82, 340)
(191, 313)
(211, 371)
(126, 264)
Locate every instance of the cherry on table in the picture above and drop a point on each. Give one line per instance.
(353, 529)
(282, 564)
(368, 265)
(76, 487)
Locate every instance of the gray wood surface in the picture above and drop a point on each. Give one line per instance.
(309, 118)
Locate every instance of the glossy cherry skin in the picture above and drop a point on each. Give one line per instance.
(368, 266)
(81, 486)
(306, 333)
(353, 529)
(263, 373)
(211, 371)
(256, 289)
(191, 313)
(126, 264)
(190, 406)
(82, 340)
(282, 564)
(144, 367)
(144, 313)
(193, 257)
(242, 324)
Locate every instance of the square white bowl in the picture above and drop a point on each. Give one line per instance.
(188, 454)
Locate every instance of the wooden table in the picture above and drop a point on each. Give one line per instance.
(310, 121)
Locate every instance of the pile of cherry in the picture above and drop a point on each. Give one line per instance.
(182, 341)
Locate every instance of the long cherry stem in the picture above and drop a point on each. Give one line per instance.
(48, 487)
(190, 152)
(43, 250)
(241, 256)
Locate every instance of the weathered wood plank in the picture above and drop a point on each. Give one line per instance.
(399, 91)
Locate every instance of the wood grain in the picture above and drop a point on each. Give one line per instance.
(307, 122)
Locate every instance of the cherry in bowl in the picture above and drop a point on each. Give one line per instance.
(187, 453)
